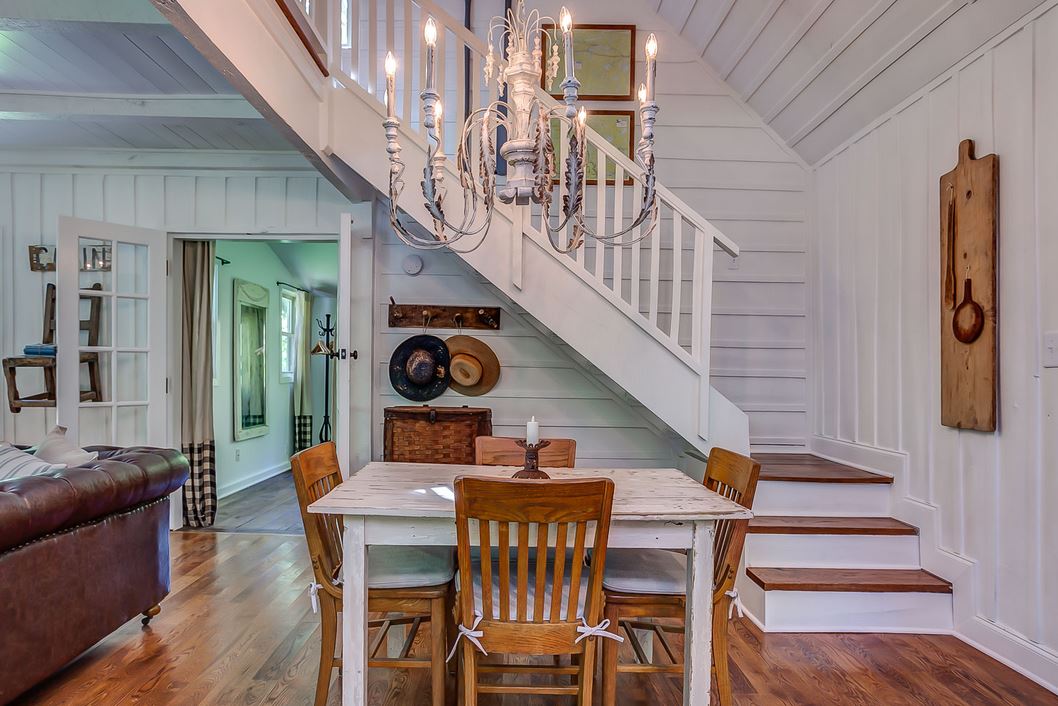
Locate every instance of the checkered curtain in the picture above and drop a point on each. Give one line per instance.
(196, 413)
(303, 374)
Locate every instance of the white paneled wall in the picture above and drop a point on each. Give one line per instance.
(718, 157)
(249, 194)
(878, 329)
(539, 377)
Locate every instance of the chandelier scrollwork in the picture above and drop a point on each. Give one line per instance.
(528, 149)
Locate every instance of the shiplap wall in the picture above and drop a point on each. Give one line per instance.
(718, 157)
(233, 194)
(877, 215)
(539, 377)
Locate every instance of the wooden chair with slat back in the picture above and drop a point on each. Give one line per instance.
(537, 610)
(503, 451)
(429, 600)
(652, 584)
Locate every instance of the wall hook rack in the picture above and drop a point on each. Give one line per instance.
(443, 316)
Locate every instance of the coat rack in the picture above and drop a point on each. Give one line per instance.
(442, 316)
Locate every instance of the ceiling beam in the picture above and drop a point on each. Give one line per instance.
(38, 11)
(35, 105)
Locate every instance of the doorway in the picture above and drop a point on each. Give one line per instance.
(269, 297)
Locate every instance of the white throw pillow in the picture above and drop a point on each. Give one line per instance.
(15, 463)
(56, 448)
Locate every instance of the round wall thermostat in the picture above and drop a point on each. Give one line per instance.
(412, 265)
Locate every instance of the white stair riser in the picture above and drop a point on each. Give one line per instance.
(822, 499)
(826, 611)
(832, 551)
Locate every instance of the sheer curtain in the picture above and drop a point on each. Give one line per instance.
(303, 373)
(196, 410)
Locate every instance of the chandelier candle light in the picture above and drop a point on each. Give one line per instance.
(528, 149)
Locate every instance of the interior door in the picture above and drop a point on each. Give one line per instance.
(111, 287)
(354, 368)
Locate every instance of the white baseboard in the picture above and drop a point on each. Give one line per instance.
(245, 482)
(1032, 660)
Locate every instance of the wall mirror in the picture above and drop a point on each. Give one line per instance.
(249, 333)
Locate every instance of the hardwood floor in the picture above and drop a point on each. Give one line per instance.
(238, 629)
(270, 506)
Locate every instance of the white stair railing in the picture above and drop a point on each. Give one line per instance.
(663, 283)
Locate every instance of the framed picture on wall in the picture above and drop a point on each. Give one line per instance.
(616, 126)
(605, 61)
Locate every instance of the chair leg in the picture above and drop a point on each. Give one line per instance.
(609, 657)
(720, 665)
(586, 677)
(329, 637)
(470, 675)
(438, 668)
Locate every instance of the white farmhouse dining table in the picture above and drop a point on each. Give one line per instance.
(413, 504)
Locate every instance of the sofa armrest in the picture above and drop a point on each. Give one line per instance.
(39, 505)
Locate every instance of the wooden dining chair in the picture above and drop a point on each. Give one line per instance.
(551, 609)
(652, 583)
(503, 451)
(415, 582)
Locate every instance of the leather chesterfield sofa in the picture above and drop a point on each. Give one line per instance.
(82, 551)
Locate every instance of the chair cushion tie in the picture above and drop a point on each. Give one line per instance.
(472, 634)
(735, 605)
(314, 595)
(599, 630)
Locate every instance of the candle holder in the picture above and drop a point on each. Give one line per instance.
(532, 461)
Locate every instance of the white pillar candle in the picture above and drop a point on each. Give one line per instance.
(652, 66)
(532, 432)
(567, 40)
(391, 85)
(430, 35)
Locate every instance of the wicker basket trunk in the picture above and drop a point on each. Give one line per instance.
(428, 434)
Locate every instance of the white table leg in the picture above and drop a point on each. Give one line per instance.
(354, 614)
(699, 631)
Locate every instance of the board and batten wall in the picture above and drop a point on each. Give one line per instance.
(983, 501)
(216, 193)
(719, 157)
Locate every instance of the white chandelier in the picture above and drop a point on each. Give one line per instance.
(528, 149)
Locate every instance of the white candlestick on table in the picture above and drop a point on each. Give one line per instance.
(532, 432)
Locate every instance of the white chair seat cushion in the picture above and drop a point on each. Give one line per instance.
(409, 567)
(649, 571)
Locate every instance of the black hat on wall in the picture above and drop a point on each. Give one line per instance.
(419, 368)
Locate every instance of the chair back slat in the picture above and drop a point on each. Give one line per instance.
(734, 477)
(503, 451)
(316, 473)
(555, 613)
(547, 578)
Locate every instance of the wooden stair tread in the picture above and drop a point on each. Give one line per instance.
(806, 468)
(848, 580)
(792, 524)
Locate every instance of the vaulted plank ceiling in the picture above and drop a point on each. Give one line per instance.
(819, 71)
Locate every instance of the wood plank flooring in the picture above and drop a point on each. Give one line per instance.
(269, 506)
(806, 468)
(238, 630)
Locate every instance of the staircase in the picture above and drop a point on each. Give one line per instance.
(822, 554)
(641, 315)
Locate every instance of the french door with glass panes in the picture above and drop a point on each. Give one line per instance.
(111, 390)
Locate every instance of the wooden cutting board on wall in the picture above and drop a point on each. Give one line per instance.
(969, 317)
